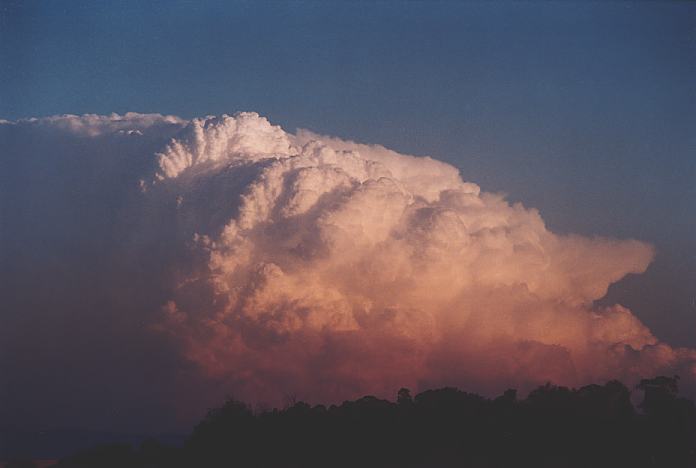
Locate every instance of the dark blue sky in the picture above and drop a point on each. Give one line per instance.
(586, 111)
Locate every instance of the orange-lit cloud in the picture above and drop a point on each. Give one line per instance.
(346, 269)
(225, 255)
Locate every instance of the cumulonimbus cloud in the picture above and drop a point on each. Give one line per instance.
(326, 269)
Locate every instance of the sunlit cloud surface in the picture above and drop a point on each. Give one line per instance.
(298, 264)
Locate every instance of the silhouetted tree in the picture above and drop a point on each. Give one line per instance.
(403, 397)
(669, 427)
(593, 426)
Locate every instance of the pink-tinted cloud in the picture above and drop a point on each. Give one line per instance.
(349, 269)
(174, 260)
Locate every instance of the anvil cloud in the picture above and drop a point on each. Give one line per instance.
(298, 264)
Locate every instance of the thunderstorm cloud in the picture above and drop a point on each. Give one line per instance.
(271, 264)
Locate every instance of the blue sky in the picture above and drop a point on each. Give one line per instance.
(586, 111)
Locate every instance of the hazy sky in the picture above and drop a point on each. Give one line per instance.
(586, 111)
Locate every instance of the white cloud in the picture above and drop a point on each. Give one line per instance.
(338, 246)
(93, 125)
(308, 265)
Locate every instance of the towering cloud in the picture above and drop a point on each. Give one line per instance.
(297, 264)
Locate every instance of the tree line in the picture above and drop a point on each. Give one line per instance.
(554, 426)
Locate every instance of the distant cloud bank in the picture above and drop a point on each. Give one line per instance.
(299, 264)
